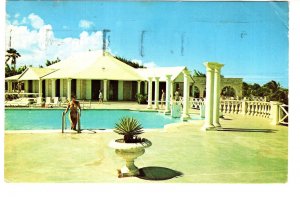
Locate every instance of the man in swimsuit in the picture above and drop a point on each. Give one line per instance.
(73, 106)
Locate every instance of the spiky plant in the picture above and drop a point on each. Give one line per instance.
(129, 128)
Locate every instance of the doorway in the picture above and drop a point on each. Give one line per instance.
(57, 85)
(96, 86)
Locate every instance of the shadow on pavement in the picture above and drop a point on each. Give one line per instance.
(247, 130)
(158, 173)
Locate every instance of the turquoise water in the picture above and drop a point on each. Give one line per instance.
(34, 119)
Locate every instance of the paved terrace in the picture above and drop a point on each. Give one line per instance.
(248, 150)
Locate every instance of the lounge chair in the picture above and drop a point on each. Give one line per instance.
(39, 102)
(63, 101)
(21, 102)
(48, 102)
(55, 102)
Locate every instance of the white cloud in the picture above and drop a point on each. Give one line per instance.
(150, 64)
(39, 44)
(85, 24)
(146, 64)
(36, 21)
(17, 15)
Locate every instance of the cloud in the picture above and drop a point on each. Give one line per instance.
(36, 21)
(146, 64)
(40, 43)
(17, 15)
(85, 24)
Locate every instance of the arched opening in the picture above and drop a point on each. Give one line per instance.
(228, 91)
(196, 92)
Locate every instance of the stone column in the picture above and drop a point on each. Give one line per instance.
(244, 106)
(275, 112)
(217, 92)
(193, 90)
(88, 90)
(156, 93)
(120, 90)
(53, 89)
(26, 86)
(40, 88)
(168, 93)
(145, 87)
(186, 99)
(150, 93)
(69, 89)
(105, 90)
(138, 87)
(209, 99)
(9, 86)
(171, 90)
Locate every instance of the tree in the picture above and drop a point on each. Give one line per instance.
(198, 74)
(12, 55)
(130, 63)
(49, 62)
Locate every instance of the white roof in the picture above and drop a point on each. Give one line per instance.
(32, 73)
(93, 65)
(161, 72)
(13, 78)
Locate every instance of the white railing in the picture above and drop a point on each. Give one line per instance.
(258, 108)
(231, 106)
(196, 103)
(283, 114)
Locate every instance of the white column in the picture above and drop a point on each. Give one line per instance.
(88, 89)
(105, 90)
(208, 123)
(145, 87)
(120, 90)
(26, 86)
(150, 93)
(78, 89)
(53, 89)
(217, 92)
(186, 99)
(168, 93)
(138, 87)
(172, 90)
(9, 86)
(61, 87)
(40, 88)
(275, 112)
(69, 89)
(156, 92)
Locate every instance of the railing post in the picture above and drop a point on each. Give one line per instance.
(275, 112)
(63, 122)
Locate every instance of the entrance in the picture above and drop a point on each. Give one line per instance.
(57, 84)
(113, 90)
(96, 86)
(73, 87)
(44, 88)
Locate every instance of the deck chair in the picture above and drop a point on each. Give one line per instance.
(55, 101)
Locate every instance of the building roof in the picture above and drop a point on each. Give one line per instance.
(32, 73)
(93, 65)
(13, 78)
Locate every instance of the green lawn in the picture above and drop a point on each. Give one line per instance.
(202, 157)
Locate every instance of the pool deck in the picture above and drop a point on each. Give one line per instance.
(247, 150)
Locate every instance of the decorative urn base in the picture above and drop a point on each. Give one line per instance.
(129, 152)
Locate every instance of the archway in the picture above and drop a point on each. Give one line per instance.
(228, 91)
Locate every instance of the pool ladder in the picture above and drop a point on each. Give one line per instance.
(64, 124)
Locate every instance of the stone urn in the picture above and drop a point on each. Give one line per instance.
(129, 152)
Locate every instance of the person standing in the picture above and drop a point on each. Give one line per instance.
(100, 97)
(74, 106)
(177, 95)
(163, 97)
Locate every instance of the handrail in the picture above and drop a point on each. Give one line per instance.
(78, 122)
(63, 121)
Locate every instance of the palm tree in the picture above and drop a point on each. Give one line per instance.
(12, 55)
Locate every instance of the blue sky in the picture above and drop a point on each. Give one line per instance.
(250, 38)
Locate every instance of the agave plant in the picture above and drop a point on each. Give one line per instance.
(129, 128)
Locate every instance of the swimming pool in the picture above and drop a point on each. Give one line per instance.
(40, 119)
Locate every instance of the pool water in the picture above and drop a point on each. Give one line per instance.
(36, 119)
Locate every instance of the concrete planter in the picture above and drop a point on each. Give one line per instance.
(129, 152)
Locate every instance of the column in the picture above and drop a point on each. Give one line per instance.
(26, 86)
(120, 90)
(61, 88)
(105, 90)
(145, 87)
(9, 86)
(53, 89)
(156, 93)
(40, 88)
(193, 90)
(186, 101)
(138, 87)
(69, 89)
(171, 90)
(150, 93)
(217, 92)
(275, 112)
(209, 99)
(168, 93)
(88, 89)
(78, 88)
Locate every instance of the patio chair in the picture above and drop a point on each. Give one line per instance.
(55, 102)
(63, 101)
